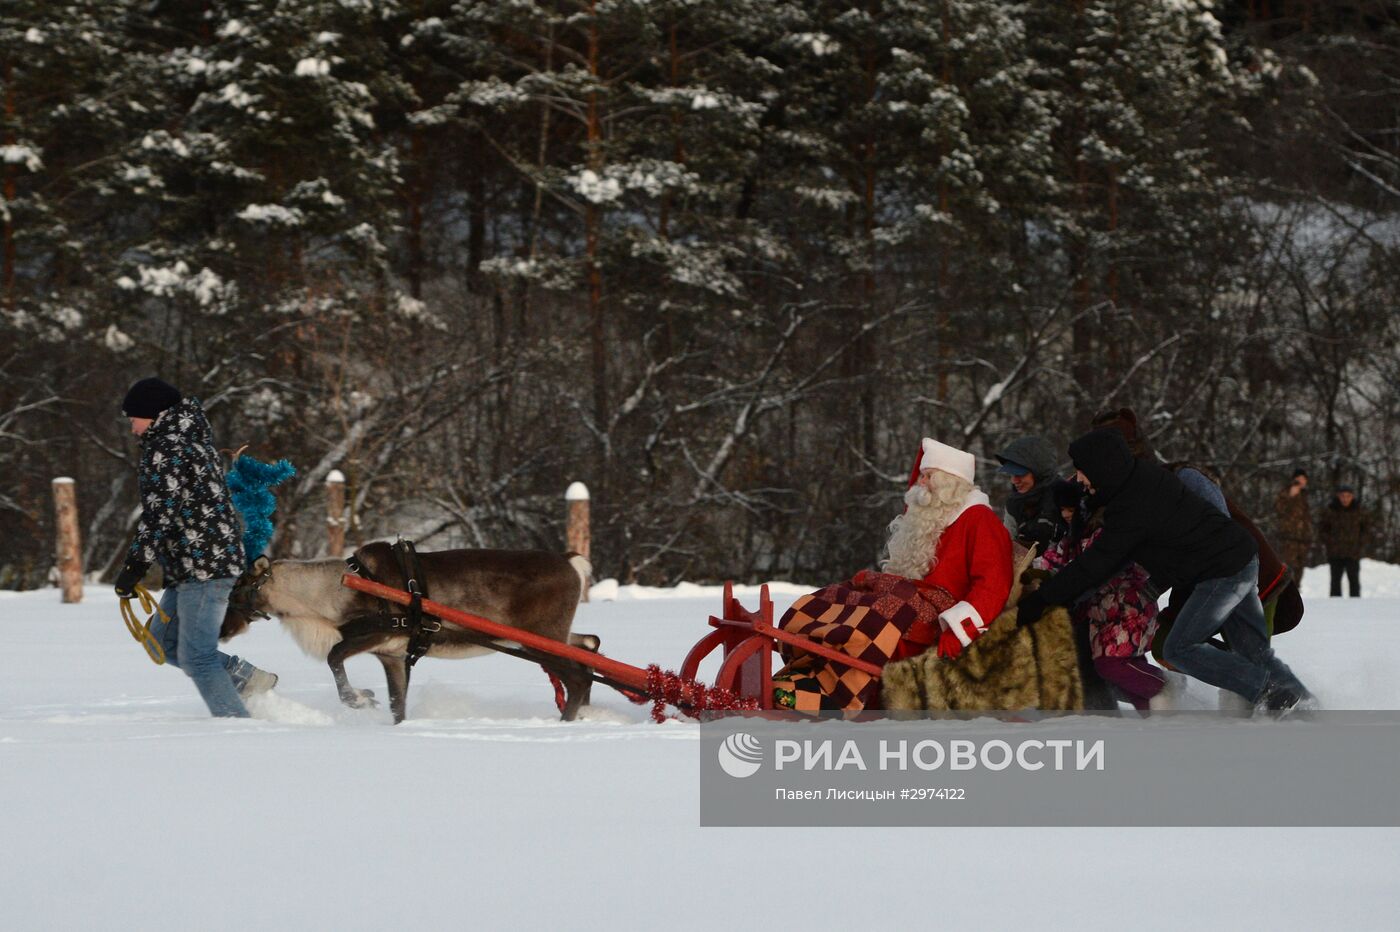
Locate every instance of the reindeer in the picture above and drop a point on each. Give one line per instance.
(532, 590)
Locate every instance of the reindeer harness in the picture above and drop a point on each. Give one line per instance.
(420, 627)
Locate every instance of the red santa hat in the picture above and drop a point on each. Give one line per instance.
(935, 455)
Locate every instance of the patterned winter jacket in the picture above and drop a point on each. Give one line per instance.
(1294, 517)
(188, 521)
(1122, 613)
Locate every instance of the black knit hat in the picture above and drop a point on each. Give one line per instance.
(1067, 493)
(149, 397)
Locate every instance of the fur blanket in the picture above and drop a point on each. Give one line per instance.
(1007, 668)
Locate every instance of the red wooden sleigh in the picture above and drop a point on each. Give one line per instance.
(747, 642)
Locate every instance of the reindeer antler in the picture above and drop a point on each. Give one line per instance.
(233, 455)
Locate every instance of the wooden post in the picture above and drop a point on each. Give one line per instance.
(70, 546)
(335, 513)
(577, 535)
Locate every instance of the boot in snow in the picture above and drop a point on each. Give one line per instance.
(1284, 699)
(259, 682)
(1172, 693)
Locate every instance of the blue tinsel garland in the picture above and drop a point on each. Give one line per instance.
(250, 483)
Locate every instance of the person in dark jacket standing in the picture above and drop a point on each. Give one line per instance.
(1345, 528)
(1030, 463)
(188, 524)
(1151, 519)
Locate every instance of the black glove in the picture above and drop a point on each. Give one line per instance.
(1032, 578)
(131, 574)
(1030, 609)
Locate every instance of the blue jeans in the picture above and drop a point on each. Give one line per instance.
(1228, 605)
(191, 641)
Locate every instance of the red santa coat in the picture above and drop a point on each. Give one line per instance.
(973, 565)
(880, 617)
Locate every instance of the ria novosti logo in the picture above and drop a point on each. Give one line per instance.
(741, 755)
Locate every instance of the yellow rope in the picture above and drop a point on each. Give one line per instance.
(142, 632)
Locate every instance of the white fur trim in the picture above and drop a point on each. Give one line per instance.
(949, 459)
(974, 498)
(952, 620)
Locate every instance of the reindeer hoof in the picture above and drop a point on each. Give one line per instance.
(360, 699)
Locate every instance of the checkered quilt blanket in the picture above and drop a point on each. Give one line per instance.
(875, 617)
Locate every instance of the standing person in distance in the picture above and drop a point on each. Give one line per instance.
(188, 524)
(1345, 528)
(1295, 526)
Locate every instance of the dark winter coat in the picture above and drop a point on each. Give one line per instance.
(1294, 515)
(1275, 579)
(1272, 570)
(1345, 532)
(1149, 518)
(1034, 514)
(188, 521)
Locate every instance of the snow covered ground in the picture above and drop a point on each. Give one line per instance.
(1377, 579)
(122, 806)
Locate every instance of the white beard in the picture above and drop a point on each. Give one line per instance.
(914, 535)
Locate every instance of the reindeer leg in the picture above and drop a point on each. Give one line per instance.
(356, 637)
(576, 677)
(396, 673)
(354, 698)
(578, 685)
(583, 677)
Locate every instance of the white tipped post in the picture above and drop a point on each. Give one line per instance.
(335, 513)
(69, 546)
(577, 535)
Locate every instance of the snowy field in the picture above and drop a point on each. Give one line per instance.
(125, 807)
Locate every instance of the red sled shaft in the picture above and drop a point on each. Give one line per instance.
(628, 675)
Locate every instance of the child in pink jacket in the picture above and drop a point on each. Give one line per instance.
(1121, 614)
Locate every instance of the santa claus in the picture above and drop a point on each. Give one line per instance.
(950, 539)
(948, 575)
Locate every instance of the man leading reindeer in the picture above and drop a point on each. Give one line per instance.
(188, 524)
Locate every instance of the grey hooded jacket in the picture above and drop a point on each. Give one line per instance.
(1036, 519)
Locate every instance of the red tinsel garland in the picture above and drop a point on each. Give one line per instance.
(665, 687)
(558, 691)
